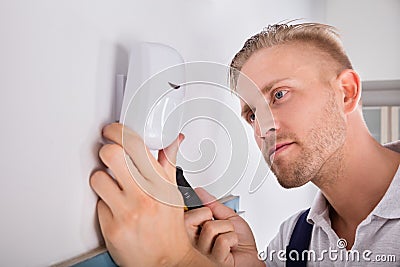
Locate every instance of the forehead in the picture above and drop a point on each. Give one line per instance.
(297, 62)
(284, 59)
(289, 61)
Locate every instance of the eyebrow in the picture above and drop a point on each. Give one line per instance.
(265, 89)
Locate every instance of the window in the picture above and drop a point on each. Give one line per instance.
(383, 122)
(381, 109)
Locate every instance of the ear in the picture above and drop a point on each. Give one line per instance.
(350, 84)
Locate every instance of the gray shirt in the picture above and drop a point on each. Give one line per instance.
(377, 240)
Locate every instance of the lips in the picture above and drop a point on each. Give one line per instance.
(278, 147)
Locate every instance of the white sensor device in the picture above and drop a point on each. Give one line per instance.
(153, 93)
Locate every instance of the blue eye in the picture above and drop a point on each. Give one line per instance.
(279, 94)
(251, 117)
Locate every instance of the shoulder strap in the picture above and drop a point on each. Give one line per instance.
(299, 241)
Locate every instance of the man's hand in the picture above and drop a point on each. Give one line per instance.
(138, 229)
(194, 220)
(227, 240)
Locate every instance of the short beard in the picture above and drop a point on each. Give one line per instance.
(322, 143)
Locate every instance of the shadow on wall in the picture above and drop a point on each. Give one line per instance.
(113, 59)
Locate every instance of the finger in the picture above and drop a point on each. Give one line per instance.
(209, 233)
(133, 144)
(220, 211)
(197, 217)
(114, 158)
(107, 189)
(105, 217)
(193, 220)
(141, 184)
(167, 157)
(223, 244)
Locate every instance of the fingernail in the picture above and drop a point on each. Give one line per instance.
(181, 137)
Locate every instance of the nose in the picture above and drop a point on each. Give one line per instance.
(265, 124)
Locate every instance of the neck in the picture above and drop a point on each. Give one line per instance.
(356, 177)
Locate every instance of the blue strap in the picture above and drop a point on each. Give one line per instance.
(102, 260)
(299, 241)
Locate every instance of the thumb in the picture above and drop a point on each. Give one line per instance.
(219, 210)
(167, 156)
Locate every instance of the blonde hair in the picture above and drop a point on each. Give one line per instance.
(321, 36)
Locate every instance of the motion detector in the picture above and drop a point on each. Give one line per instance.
(153, 93)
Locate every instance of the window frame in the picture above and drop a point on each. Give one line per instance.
(385, 95)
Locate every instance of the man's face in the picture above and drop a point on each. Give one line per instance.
(308, 125)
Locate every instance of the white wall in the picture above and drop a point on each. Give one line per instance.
(371, 35)
(58, 61)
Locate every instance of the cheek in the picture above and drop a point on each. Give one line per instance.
(292, 126)
(256, 129)
(258, 139)
(300, 124)
(307, 118)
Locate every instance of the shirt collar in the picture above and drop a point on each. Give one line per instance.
(388, 207)
(319, 209)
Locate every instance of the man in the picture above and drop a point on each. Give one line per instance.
(318, 135)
